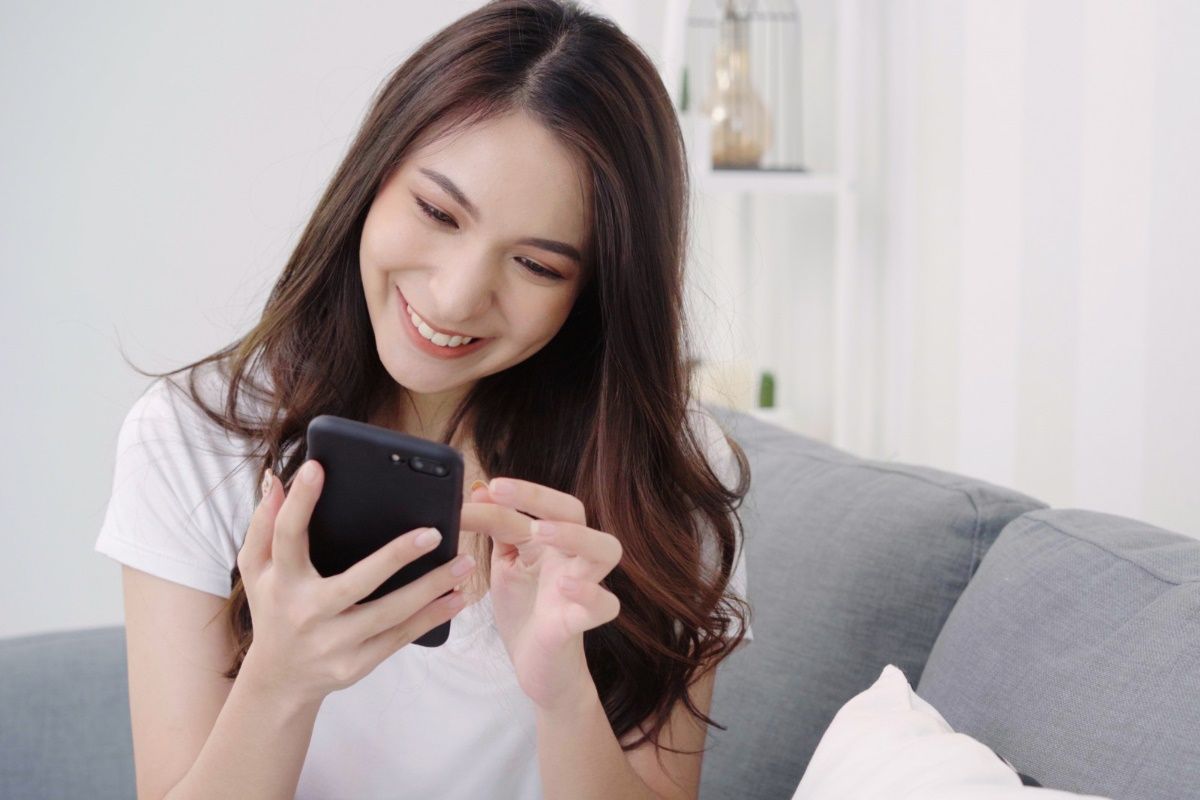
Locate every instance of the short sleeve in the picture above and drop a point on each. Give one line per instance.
(724, 463)
(182, 493)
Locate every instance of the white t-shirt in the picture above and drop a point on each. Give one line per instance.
(447, 722)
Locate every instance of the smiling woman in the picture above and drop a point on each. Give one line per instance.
(464, 265)
(496, 264)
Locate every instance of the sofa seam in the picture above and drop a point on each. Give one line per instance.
(887, 470)
(852, 461)
(975, 535)
(976, 532)
(1120, 556)
(38, 638)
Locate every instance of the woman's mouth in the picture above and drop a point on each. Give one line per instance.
(431, 342)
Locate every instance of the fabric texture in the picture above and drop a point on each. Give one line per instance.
(182, 489)
(181, 503)
(887, 743)
(1075, 651)
(64, 731)
(856, 564)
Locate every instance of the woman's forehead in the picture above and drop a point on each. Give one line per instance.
(510, 166)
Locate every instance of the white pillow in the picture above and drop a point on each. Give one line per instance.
(886, 743)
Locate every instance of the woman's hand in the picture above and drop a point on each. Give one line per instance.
(311, 636)
(545, 582)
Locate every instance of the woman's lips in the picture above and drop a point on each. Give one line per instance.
(426, 346)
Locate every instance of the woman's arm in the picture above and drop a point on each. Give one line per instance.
(196, 734)
(580, 757)
(257, 746)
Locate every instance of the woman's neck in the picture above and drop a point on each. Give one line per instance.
(423, 415)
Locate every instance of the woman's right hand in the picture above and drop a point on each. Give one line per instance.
(310, 637)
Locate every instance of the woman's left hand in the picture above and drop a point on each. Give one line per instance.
(545, 583)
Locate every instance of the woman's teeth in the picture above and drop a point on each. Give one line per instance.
(439, 339)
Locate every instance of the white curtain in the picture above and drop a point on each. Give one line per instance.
(1040, 278)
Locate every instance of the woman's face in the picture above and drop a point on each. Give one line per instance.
(452, 236)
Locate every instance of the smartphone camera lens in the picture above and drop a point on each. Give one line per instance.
(428, 467)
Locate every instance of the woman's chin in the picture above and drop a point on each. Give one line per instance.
(416, 385)
(417, 379)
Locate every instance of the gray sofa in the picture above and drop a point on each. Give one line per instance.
(1067, 640)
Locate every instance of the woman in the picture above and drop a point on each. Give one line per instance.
(497, 264)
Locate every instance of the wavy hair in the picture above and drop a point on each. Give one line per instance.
(615, 374)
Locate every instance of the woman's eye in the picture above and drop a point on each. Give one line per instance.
(532, 266)
(538, 269)
(434, 214)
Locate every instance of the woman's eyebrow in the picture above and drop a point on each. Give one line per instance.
(453, 190)
(562, 248)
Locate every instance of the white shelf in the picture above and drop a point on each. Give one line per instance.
(760, 182)
(847, 426)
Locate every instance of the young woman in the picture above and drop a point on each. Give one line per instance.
(497, 264)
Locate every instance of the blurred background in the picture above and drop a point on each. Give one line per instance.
(958, 233)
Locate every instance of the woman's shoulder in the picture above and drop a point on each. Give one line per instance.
(183, 485)
(169, 403)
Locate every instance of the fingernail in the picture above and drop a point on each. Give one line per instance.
(267, 483)
(542, 529)
(429, 538)
(501, 487)
(309, 473)
(463, 565)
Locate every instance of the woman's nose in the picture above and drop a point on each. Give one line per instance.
(461, 292)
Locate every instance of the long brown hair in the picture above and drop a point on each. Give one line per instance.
(616, 374)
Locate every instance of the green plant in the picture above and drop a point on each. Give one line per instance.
(766, 391)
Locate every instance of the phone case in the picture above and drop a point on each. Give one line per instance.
(380, 484)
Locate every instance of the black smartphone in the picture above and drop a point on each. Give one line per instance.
(380, 484)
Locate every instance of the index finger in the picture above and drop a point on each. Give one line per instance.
(505, 525)
(538, 500)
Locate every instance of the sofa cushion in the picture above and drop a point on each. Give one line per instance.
(851, 565)
(1075, 652)
(888, 743)
(65, 729)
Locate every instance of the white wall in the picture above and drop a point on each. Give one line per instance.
(159, 162)
(1042, 282)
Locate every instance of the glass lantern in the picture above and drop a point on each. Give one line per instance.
(741, 83)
